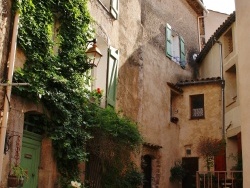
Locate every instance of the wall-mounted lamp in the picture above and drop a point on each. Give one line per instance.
(94, 54)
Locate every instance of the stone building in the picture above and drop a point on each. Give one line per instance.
(196, 112)
(157, 43)
(219, 58)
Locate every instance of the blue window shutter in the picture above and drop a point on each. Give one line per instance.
(168, 41)
(112, 75)
(182, 53)
(114, 8)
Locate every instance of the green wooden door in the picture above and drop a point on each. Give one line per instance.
(30, 157)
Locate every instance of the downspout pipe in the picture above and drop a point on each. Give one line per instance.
(222, 89)
(10, 64)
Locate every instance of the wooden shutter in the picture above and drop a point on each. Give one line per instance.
(114, 8)
(112, 75)
(182, 53)
(168, 41)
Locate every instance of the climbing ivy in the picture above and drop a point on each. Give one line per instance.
(53, 36)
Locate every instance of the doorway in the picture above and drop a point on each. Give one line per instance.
(147, 171)
(30, 157)
(191, 166)
(31, 147)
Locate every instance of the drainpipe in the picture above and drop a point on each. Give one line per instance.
(198, 21)
(222, 90)
(6, 108)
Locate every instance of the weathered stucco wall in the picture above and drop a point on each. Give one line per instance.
(156, 69)
(191, 130)
(212, 21)
(243, 45)
(211, 67)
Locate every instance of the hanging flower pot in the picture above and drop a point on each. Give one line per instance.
(13, 181)
(17, 176)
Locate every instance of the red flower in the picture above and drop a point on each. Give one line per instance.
(98, 90)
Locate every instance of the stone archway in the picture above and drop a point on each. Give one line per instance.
(151, 165)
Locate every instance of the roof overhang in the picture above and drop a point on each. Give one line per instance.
(152, 146)
(200, 81)
(198, 6)
(176, 89)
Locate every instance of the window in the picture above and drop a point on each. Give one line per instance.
(112, 6)
(175, 47)
(231, 85)
(197, 106)
(228, 42)
(113, 55)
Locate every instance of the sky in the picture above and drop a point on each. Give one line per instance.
(224, 6)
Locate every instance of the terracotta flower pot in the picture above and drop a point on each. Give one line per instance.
(13, 181)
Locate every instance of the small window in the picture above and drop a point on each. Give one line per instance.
(175, 47)
(228, 42)
(231, 86)
(197, 106)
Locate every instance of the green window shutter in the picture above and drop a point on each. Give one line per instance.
(182, 53)
(168, 41)
(112, 75)
(114, 8)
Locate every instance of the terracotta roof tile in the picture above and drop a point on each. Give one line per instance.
(199, 81)
(175, 87)
(153, 146)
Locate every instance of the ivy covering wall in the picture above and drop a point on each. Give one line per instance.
(53, 36)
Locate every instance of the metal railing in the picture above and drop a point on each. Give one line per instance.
(219, 179)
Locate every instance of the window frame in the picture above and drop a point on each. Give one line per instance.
(112, 7)
(228, 42)
(175, 46)
(197, 97)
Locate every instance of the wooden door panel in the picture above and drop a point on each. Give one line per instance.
(30, 157)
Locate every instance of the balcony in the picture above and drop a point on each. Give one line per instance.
(219, 179)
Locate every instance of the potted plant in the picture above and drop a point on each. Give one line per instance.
(177, 173)
(17, 176)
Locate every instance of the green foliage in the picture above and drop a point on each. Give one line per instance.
(19, 172)
(114, 139)
(131, 178)
(53, 36)
(177, 172)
